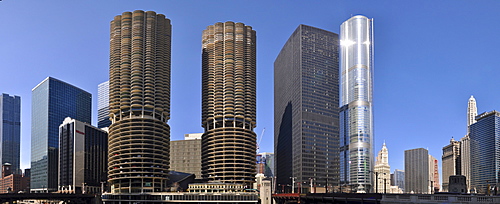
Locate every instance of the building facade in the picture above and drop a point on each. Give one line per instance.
(451, 162)
(306, 90)
(382, 170)
(398, 179)
(103, 105)
(265, 164)
(10, 131)
(229, 103)
(12, 182)
(83, 157)
(435, 185)
(485, 152)
(356, 114)
(417, 176)
(465, 153)
(139, 102)
(51, 102)
(185, 155)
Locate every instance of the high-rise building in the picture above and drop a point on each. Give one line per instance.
(434, 174)
(265, 164)
(356, 113)
(185, 155)
(229, 103)
(398, 179)
(382, 171)
(471, 112)
(139, 102)
(10, 131)
(451, 162)
(83, 157)
(485, 151)
(417, 176)
(51, 102)
(103, 105)
(306, 90)
(465, 142)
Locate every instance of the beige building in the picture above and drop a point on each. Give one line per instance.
(185, 155)
(451, 162)
(139, 102)
(229, 103)
(383, 170)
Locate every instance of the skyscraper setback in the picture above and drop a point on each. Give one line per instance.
(306, 90)
(139, 99)
(229, 103)
(356, 116)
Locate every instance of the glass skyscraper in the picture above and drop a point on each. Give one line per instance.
(485, 151)
(10, 131)
(103, 105)
(356, 118)
(51, 102)
(306, 96)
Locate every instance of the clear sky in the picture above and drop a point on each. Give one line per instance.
(430, 56)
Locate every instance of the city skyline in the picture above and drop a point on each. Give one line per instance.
(406, 59)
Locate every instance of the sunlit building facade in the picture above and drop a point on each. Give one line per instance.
(229, 103)
(465, 147)
(356, 113)
(139, 102)
(103, 105)
(451, 162)
(417, 171)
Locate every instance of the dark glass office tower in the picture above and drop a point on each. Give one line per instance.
(83, 157)
(229, 103)
(52, 100)
(10, 131)
(103, 105)
(306, 99)
(139, 102)
(485, 152)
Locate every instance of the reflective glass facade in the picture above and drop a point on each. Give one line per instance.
(485, 151)
(10, 131)
(103, 105)
(306, 90)
(52, 101)
(356, 143)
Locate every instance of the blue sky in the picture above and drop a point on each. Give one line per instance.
(430, 56)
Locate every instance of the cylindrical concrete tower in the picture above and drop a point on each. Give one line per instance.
(139, 100)
(229, 103)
